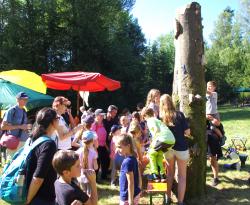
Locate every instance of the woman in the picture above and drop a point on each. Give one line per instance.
(103, 149)
(63, 135)
(176, 122)
(41, 175)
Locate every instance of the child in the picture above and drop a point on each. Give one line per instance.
(87, 122)
(115, 158)
(130, 181)
(124, 121)
(67, 165)
(88, 159)
(158, 131)
(211, 107)
(153, 101)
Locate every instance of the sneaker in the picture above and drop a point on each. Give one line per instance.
(215, 181)
(156, 178)
(112, 185)
(163, 178)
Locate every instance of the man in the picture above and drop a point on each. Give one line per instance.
(15, 122)
(111, 118)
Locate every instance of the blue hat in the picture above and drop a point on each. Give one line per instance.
(87, 136)
(22, 95)
(114, 128)
(89, 119)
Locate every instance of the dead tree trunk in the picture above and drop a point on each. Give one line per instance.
(189, 91)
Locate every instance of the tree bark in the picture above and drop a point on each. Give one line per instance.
(189, 91)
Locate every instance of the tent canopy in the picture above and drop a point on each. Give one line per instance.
(8, 92)
(80, 81)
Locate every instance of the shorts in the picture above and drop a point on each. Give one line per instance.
(136, 201)
(182, 155)
(214, 146)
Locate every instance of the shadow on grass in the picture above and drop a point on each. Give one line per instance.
(236, 114)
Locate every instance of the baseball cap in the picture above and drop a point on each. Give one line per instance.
(22, 95)
(112, 107)
(89, 119)
(99, 112)
(114, 128)
(87, 136)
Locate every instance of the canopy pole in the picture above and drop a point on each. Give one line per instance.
(77, 103)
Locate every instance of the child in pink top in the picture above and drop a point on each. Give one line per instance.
(88, 159)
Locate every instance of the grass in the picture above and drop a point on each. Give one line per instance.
(232, 190)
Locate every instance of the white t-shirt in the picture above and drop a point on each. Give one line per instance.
(66, 143)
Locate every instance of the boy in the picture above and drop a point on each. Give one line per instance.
(211, 108)
(162, 141)
(67, 165)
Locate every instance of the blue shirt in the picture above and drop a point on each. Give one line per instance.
(180, 125)
(14, 116)
(129, 164)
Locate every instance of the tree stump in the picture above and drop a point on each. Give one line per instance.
(189, 91)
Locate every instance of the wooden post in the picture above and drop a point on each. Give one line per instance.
(189, 91)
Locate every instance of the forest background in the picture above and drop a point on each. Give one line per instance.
(103, 36)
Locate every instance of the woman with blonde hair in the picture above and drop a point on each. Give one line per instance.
(153, 100)
(176, 122)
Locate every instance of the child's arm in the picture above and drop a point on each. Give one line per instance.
(130, 178)
(95, 164)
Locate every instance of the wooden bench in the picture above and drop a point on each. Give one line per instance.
(154, 188)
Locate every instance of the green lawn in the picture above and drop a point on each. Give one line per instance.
(232, 190)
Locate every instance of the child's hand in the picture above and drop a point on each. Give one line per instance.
(90, 174)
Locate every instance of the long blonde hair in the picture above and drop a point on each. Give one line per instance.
(125, 139)
(151, 96)
(85, 150)
(167, 110)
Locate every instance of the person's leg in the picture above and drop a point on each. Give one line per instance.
(113, 172)
(159, 161)
(182, 175)
(214, 166)
(170, 162)
(153, 161)
(105, 163)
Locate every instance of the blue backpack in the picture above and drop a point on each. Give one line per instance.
(13, 183)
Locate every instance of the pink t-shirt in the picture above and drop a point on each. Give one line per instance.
(101, 133)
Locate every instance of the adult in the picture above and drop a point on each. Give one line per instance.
(176, 122)
(103, 149)
(15, 124)
(63, 135)
(41, 175)
(111, 119)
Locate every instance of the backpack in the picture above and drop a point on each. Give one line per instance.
(13, 183)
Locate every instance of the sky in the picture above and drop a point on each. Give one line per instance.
(156, 17)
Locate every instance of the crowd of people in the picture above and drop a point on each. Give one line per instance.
(103, 143)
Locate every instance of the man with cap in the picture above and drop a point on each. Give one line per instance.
(15, 123)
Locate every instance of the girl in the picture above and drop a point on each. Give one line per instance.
(115, 158)
(130, 181)
(179, 154)
(153, 101)
(88, 159)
